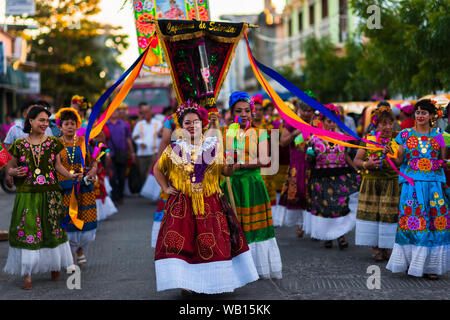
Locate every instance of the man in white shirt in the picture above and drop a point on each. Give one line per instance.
(145, 135)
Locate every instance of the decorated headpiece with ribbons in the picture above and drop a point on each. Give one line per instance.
(64, 110)
(199, 54)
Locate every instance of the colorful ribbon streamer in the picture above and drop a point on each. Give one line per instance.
(293, 119)
(92, 132)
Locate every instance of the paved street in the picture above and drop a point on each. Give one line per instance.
(120, 266)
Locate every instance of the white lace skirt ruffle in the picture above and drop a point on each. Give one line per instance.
(27, 262)
(375, 234)
(284, 217)
(419, 260)
(104, 210)
(210, 278)
(267, 258)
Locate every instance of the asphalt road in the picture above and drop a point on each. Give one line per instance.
(121, 267)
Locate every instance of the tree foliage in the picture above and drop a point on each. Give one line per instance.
(410, 47)
(74, 54)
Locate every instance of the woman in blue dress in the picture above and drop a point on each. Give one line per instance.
(422, 243)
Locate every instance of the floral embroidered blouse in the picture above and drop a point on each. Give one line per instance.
(421, 155)
(328, 156)
(386, 171)
(45, 178)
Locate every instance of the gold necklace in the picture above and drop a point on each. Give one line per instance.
(423, 148)
(71, 157)
(36, 164)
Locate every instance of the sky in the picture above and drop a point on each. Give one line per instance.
(113, 13)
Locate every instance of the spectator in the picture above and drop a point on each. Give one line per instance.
(120, 145)
(406, 115)
(145, 135)
(16, 131)
(9, 122)
(348, 121)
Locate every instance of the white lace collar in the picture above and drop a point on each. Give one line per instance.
(208, 144)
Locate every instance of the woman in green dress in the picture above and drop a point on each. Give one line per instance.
(37, 243)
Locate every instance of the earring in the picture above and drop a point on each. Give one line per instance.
(31, 130)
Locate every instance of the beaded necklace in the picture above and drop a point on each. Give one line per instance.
(71, 157)
(33, 152)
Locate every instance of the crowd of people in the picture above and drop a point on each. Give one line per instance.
(217, 209)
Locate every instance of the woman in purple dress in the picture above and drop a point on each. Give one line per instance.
(293, 198)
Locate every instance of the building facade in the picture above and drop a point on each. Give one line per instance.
(302, 19)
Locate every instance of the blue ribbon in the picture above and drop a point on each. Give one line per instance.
(307, 99)
(101, 101)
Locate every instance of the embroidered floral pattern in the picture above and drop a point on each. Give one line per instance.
(440, 223)
(55, 213)
(30, 238)
(412, 142)
(424, 164)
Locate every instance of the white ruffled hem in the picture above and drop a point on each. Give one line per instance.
(328, 228)
(104, 210)
(151, 189)
(267, 258)
(108, 187)
(27, 262)
(375, 234)
(284, 217)
(155, 232)
(331, 228)
(210, 278)
(80, 239)
(419, 260)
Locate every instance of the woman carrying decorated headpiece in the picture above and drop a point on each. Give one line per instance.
(72, 158)
(333, 180)
(422, 242)
(200, 245)
(376, 218)
(37, 242)
(248, 192)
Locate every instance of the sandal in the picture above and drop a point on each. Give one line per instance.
(81, 260)
(386, 254)
(342, 243)
(328, 244)
(432, 276)
(27, 285)
(377, 254)
(300, 231)
(56, 275)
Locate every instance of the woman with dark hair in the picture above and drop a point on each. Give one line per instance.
(333, 180)
(71, 157)
(422, 242)
(242, 142)
(376, 218)
(37, 242)
(200, 246)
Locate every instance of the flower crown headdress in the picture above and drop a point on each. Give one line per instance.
(191, 105)
(374, 119)
(81, 101)
(72, 110)
(438, 106)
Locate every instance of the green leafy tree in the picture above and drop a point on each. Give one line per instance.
(409, 51)
(74, 54)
